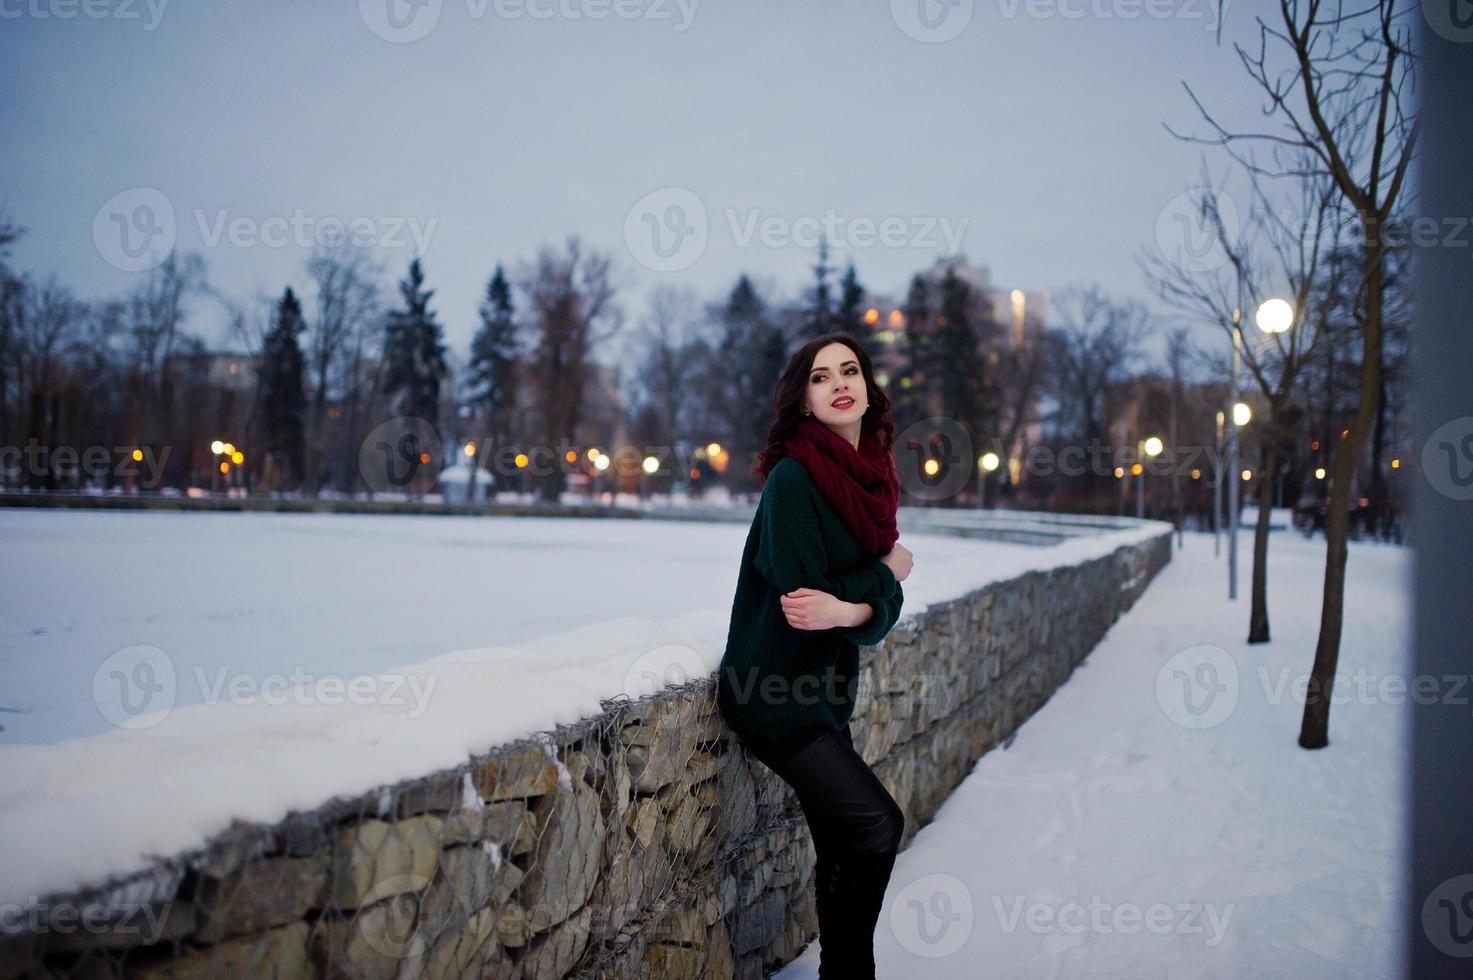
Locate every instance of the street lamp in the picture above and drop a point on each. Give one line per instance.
(1273, 316)
(1151, 446)
(988, 463)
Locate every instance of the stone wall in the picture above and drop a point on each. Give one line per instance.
(639, 843)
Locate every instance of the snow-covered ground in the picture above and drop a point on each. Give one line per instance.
(1157, 819)
(174, 671)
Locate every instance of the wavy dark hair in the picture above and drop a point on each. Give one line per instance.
(787, 400)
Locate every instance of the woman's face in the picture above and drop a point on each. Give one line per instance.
(836, 377)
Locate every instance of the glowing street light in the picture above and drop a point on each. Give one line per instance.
(1274, 316)
(989, 462)
(1242, 414)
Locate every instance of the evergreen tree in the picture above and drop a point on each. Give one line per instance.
(494, 353)
(850, 315)
(909, 405)
(820, 314)
(958, 364)
(283, 400)
(414, 357)
(750, 358)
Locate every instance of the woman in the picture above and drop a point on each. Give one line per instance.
(820, 576)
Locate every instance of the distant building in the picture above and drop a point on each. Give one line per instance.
(1006, 319)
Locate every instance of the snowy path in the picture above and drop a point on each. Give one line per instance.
(1110, 841)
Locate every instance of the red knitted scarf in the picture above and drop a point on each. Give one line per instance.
(861, 485)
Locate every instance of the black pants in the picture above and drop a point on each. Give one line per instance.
(856, 826)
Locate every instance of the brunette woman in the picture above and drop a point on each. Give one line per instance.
(820, 577)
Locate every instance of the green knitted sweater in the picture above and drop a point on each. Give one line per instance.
(773, 677)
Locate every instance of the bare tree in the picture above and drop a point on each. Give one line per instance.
(1343, 93)
(347, 297)
(1022, 373)
(1095, 342)
(1273, 247)
(156, 312)
(10, 313)
(668, 369)
(50, 320)
(570, 300)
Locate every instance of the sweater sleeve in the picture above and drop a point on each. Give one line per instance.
(887, 611)
(791, 552)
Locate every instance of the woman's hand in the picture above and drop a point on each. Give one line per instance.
(900, 561)
(810, 609)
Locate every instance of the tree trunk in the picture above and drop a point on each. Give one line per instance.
(1258, 618)
(1314, 730)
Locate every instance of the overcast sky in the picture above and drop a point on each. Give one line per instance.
(693, 141)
